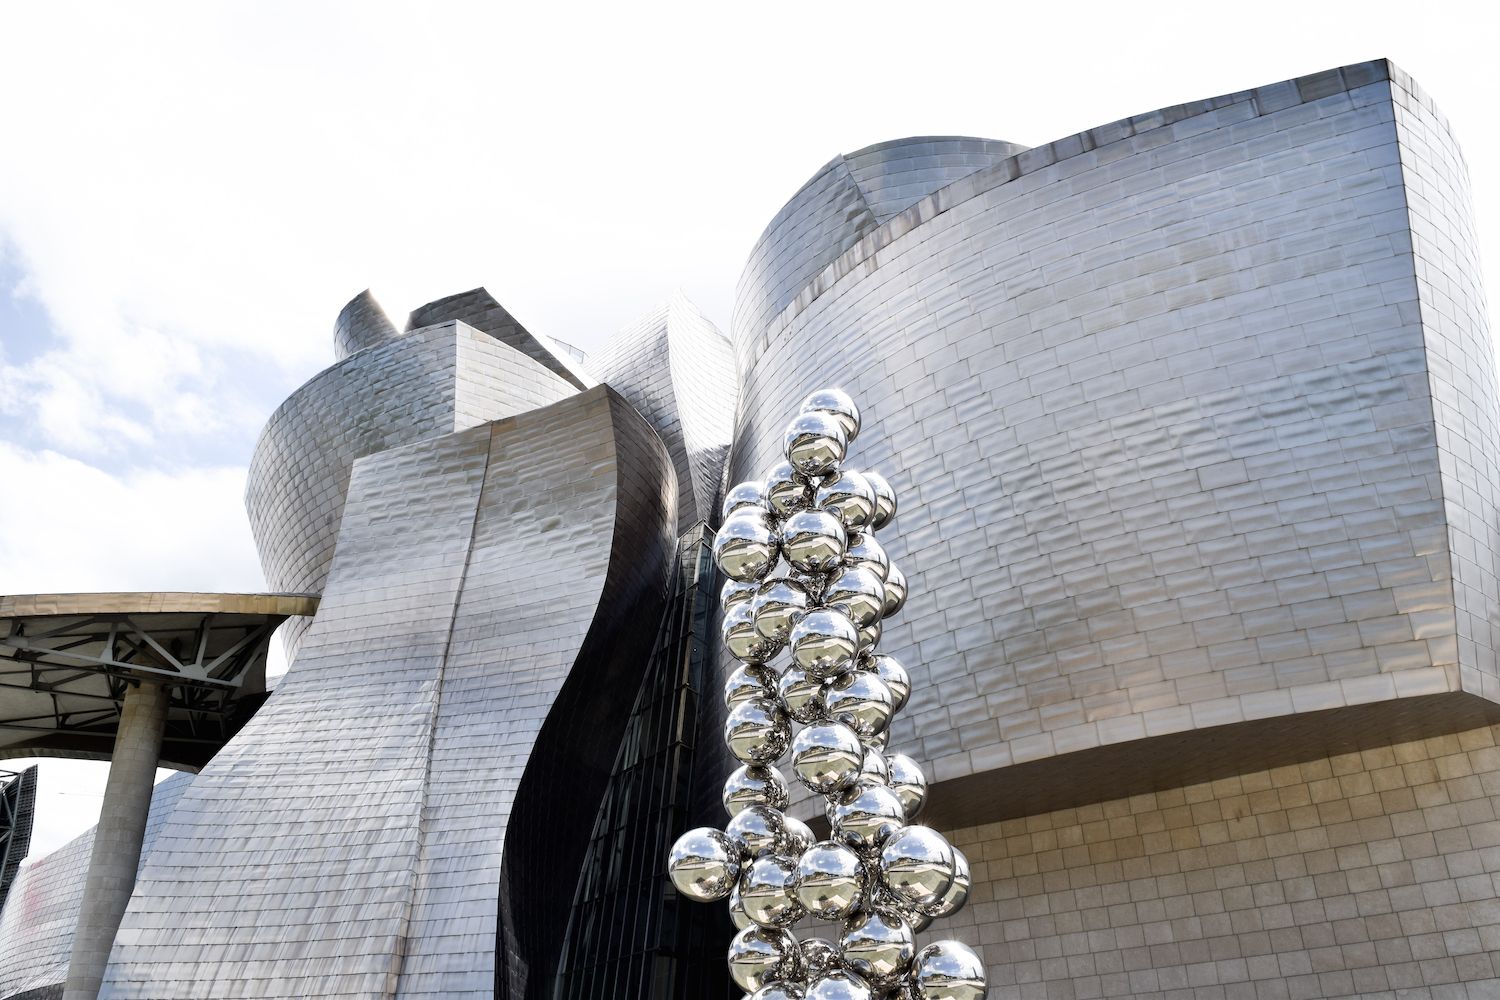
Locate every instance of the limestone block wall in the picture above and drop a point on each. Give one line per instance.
(347, 843)
(1368, 874)
(1156, 398)
(37, 922)
(676, 369)
(425, 384)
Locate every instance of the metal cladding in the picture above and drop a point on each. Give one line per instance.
(362, 323)
(1182, 406)
(676, 368)
(421, 386)
(388, 762)
(478, 308)
(1188, 620)
(38, 919)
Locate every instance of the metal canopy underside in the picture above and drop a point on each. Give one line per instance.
(67, 659)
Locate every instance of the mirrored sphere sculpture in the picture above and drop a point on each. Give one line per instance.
(704, 864)
(746, 546)
(882, 878)
(948, 970)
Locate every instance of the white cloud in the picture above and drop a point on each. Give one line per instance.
(70, 526)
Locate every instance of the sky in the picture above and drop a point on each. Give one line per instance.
(190, 192)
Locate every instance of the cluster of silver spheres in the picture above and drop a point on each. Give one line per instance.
(880, 878)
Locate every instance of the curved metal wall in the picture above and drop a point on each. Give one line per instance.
(850, 197)
(348, 842)
(39, 916)
(422, 385)
(675, 367)
(1156, 400)
(361, 323)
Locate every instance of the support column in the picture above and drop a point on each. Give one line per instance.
(117, 838)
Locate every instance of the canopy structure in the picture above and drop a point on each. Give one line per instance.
(140, 679)
(66, 661)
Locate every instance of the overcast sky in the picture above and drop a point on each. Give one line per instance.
(190, 192)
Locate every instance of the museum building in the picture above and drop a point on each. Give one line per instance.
(1194, 420)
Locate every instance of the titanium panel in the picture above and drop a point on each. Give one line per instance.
(850, 197)
(478, 308)
(425, 384)
(362, 323)
(1161, 394)
(676, 368)
(39, 915)
(348, 842)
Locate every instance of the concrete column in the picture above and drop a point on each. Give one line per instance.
(117, 838)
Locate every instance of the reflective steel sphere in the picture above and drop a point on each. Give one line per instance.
(830, 880)
(755, 785)
(746, 546)
(767, 891)
(861, 701)
(839, 985)
(908, 782)
(814, 541)
(919, 921)
(761, 955)
(879, 741)
(801, 695)
(779, 991)
(757, 831)
(957, 893)
(827, 757)
(865, 815)
(757, 731)
(878, 944)
(815, 443)
(837, 404)
(858, 592)
(864, 550)
(849, 495)
(741, 638)
(814, 584)
(824, 642)
(751, 494)
(875, 766)
(787, 490)
(895, 592)
(916, 865)
(704, 864)
(885, 500)
(948, 970)
(819, 956)
(749, 680)
(737, 911)
(868, 637)
(736, 591)
(778, 605)
(795, 837)
(890, 670)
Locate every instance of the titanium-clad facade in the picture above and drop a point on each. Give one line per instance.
(1194, 421)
